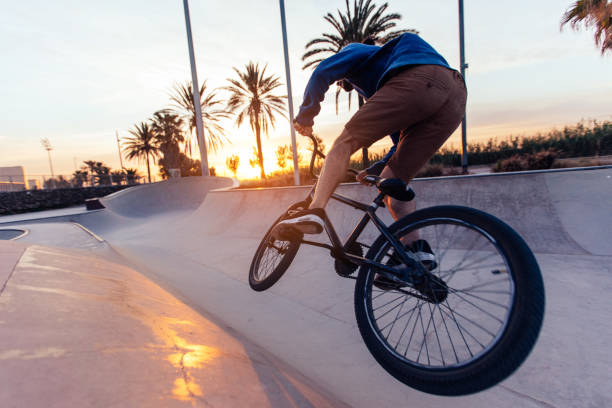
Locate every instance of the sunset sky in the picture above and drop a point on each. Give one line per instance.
(75, 72)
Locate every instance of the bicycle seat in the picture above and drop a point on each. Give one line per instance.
(392, 187)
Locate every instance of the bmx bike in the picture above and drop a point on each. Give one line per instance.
(452, 325)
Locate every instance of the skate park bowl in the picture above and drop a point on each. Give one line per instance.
(156, 284)
(11, 234)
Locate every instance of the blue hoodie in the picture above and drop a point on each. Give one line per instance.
(366, 67)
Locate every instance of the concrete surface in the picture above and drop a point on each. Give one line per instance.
(307, 321)
(79, 331)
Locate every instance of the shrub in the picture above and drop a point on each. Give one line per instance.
(584, 139)
(514, 163)
(536, 161)
(541, 160)
(431, 170)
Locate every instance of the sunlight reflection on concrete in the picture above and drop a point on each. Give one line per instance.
(185, 355)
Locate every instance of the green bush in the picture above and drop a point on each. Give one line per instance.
(582, 140)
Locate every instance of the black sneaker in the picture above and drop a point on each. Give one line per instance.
(423, 252)
(307, 221)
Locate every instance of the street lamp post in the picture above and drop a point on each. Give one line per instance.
(47, 146)
(463, 66)
(296, 170)
(196, 94)
(119, 149)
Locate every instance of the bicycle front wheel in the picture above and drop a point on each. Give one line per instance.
(477, 319)
(272, 258)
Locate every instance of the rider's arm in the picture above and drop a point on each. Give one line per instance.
(376, 168)
(327, 72)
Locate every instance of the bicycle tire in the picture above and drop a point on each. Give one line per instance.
(291, 249)
(514, 342)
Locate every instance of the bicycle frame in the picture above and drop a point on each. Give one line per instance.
(339, 250)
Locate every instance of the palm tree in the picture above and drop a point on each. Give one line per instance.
(594, 13)
(365, 23)
(212, 113)
(167, 127)
(142, 144)
(232, 163)
(132, 175)
(252, 97)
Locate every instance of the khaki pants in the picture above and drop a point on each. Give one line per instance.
(426, 103)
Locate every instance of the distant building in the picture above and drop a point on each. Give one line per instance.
(13, 179)
(33, 184)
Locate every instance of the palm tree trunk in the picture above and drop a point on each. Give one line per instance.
(259, 152)
(364, 150)
(148, 169)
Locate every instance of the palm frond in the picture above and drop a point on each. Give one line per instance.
(355, 24)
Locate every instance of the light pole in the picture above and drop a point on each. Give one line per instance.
(296, 170)
(196, 94)
(47, 146)
(463, 66)
(119, 147)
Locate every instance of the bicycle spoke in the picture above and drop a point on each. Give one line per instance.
(395, 320)
(480, 285)
(449, 240)
(456, 267)
(404, 314)
(413, 327)
(485, 267)
(407, 322)
(479, 308)
(469, 333)
(452, 316)
(481, 298)
(425, 340)
(448, 333)
(391, 301)
(474, 323)
(388, 311)
(438, 338)
(504, 292)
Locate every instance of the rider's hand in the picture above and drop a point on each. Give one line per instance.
(302, 130)
(360, 176)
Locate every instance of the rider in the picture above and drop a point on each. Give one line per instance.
(412, 94)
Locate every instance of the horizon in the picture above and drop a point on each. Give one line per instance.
(78, 90)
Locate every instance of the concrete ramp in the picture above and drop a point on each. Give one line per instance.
(180, 194)
(307, 321)
(566, 212)
(307, 318)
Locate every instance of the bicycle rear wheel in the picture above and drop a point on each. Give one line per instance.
(472, 323)
(272, 258)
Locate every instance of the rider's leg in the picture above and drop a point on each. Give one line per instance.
(334, 169)
(399, 209)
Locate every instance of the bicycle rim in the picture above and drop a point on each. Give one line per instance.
(270, 257)
(455, 332)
